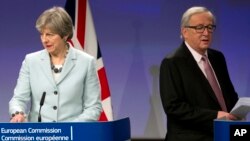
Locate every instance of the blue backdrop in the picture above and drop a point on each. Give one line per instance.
(134, 36)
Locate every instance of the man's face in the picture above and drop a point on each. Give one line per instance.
(198, 39)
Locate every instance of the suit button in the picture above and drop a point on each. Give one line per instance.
(55, 93)
(54, 107)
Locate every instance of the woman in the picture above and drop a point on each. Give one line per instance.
(64, 75)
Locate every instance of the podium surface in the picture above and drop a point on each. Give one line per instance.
(231, 130)
(118, 130)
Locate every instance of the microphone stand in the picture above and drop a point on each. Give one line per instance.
(41, 104)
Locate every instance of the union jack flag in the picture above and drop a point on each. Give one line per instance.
(84, 38)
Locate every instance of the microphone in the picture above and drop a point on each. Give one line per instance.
(41, 104)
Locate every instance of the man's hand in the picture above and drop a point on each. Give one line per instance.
(228, 116)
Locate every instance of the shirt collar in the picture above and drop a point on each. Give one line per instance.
(194, 53)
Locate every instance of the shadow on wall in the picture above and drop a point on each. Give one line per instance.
(151, 120)
(155, 126)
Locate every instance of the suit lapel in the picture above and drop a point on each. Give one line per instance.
(46, 66)
(194, 66)
(68, 65)
(216, 64)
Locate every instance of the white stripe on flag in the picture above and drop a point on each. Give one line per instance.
(90, 45)
(107, 108)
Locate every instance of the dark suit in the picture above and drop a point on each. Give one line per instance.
(187, 97)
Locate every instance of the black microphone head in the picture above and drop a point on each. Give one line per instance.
(42, 99)
(41, 104)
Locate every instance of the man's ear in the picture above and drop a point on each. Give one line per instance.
(184, 32)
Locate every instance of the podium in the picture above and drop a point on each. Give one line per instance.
(118, 130)
(231, 130)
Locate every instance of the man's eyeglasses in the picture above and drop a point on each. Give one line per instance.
(201, 28)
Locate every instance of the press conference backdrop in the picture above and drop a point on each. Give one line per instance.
(134, 36)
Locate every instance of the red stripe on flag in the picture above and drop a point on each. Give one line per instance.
(71, 42)
(103, 117)
(104, 83)
(81, 16)
(82, 8)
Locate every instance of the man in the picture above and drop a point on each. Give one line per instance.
(189, 97)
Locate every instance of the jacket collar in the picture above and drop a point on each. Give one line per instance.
(183, 51)
(67, 67)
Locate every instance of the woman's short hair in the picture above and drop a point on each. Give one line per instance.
(57, 20)
(194, 10)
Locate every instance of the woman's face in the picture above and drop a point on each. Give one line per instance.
(53, 42)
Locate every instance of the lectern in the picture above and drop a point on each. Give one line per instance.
(231, 130)
(118, 130)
